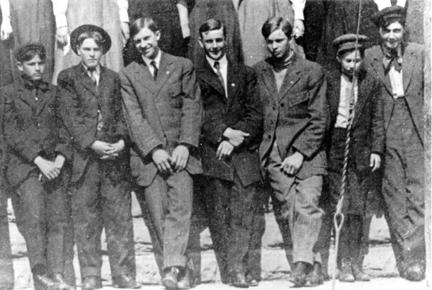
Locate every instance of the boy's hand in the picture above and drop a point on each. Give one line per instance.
(59, 161)
(224, 150)
(101, 147)
(48, 168)
(5, 30)
(180, 157)
(292, 163)
(162, 160)
(375, 161)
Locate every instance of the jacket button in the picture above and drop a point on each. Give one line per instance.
(269, 136)
(274, 108)
(282, 105)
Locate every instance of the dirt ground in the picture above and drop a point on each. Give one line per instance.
(379, 263)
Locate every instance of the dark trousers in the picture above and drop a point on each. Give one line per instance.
(167, 206)
(403, 188)
(231, 209)
(101, 201)
(6, 267)
(42, 218)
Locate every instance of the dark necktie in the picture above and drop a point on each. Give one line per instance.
(219, 74)
(155, 69)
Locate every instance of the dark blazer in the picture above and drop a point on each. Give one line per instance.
(241, 111)
(162, 113)
(80, 101)
(31, 128)
(367, 133)
(297, 115)
(413, 80)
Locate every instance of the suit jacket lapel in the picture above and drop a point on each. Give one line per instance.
(164, 71)
(362, 96)
(232, 81)
(86, 80)
(334, 94)
(207, 75)
(377, 65)
(269, 80)
(407, 67)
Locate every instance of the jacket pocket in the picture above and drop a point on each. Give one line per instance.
(298, 98)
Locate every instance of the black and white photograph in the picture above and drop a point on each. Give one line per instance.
(215, 144)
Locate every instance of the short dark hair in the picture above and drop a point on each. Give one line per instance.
(275, 23)
(29, 51)
(95, 35)
(211, 24)
(143, 22)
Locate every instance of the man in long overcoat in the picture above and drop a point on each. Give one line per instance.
(293, 93)
(162, 102)
(399, 67)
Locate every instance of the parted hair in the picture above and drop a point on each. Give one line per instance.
(96, 36)
(211, 24)
(143, 22)
(30, 50)
(274, 23)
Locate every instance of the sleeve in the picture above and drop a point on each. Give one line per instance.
(5, 10)
(121, 128)
(310, 140)
(81, 127)
(184, 18)
(298, 7)
(252, 122)
(16, 136)
(63, 146)
(377, 121)
(123, 10)
(213, 124)
(59, 9)
(140, 131)
(192, 107)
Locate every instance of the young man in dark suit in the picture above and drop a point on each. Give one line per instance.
(293, 93)
(163, 109)
(90, 101)
(231, 134)
(354, 98)
(37, 152)
(399, 67)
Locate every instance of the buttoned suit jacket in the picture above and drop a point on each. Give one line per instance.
(162, 113)
(80, 100)
(413, 81)
(241, 110)
(31, 128)
(296, 115)
(367, 130)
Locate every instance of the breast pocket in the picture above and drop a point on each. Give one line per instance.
(298, 99)
(175, 95)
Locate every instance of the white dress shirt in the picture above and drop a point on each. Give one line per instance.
(345, 104)
(223, 67)
(396, 81)
(157, 60)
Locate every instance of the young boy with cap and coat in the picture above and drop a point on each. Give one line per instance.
(355, 104)
(37, 153)
(89, 94)
(399, 67)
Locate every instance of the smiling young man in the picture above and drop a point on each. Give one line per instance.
(90, 99)
(37, 150)
(356, 101)
(293, 94)
(399, 67)
(230, 138)
(162, 102)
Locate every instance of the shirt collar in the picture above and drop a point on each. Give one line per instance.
(223, 62)
(90, 71)
(31, 84)
(157, 59)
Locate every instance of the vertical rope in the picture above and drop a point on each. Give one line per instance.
(339, 218)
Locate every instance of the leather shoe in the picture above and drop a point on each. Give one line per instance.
(125, 281)
(170, 278)
(315, 277)
(358, 273)
(299, 274)
(45, 282)
(414, 272)
(184, 281)
(238, 280)
(345, 271)
(63, 285)
(252, 282)
(91, 283)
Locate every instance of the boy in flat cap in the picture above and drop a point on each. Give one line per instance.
(90, 97)
(354, 99)
(37, 148)
(399, 67)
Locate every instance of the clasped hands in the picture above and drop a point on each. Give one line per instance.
(49, 169)
(170, 164)
(108, 151)
(234, 139)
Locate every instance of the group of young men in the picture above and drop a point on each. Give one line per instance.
(73, 154)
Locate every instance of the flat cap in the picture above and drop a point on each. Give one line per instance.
(105, 42)
(347, 42)
(388, 15)
(21, 52)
